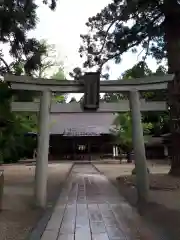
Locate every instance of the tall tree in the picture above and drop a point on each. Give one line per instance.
(151, 25)
(14, 126)
(159, 122)
(123, 131)
(140, 69)
(125, 24)
(59, 75)
(49, 60)
(17, 18)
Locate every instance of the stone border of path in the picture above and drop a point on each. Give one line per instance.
(39, 228)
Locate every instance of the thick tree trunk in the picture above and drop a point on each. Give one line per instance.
(1, 188)
(172, 34)
(129, 157)
(172, 39)
(175, 126)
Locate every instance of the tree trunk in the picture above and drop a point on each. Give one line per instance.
(129, 157)
(1, 188)
(174, 126)
(172, 39)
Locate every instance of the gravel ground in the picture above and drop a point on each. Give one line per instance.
(163, 209)
(19, 215)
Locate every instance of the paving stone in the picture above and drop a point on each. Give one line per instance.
(67, 227)
(97, 227)
(104, 207)
(114, 232)
(65, 237)
(82, 210)
(82, 221)
(110, 221)
(83, 230)
(90, 208)
(107, 213)
(54, 222)
(82, 236)
(101, 236)
(49, 235)
(95, 214)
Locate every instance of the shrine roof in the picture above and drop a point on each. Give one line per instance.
(81, 124)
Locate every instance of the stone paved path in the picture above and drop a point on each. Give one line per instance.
(90, 208)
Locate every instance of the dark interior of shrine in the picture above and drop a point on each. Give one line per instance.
(80, 147)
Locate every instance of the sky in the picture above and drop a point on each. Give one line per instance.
(64, 26)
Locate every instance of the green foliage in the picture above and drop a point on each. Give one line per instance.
(113, 36)
(123, 130)
(123, 25)
(13, 140)
(5, 96)
(48, 61)
(59, 75)
(59, 98)
(159, 121)
(112, 97)
(17, 18)
(13, 128)
(140, 69)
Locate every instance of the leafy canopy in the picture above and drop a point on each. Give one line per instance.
(17, 18)
(159, 121)
(123, 130)
(127, 24)
(140, 69)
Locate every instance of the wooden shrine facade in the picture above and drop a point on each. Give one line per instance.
(77, 136)
(80, 147)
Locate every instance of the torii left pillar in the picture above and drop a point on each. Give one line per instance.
(142, 177)
(41, 172)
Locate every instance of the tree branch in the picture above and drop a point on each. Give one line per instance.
(5, 63)
(105, 37)
(117, 54)
(147, 50)
(133, 45)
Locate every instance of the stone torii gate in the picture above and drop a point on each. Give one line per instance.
(46, 86)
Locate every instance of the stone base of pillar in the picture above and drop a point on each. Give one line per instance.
(134, 171)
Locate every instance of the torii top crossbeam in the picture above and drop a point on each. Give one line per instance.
(65, 86)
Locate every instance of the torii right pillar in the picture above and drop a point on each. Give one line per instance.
(142, 178)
